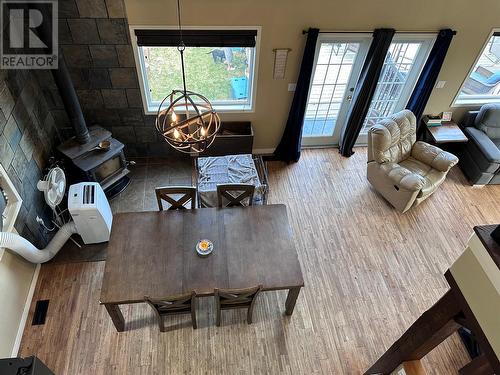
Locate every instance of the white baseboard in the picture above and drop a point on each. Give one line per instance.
(26, 310)
(318, 147)
(263, 151)
(270, 151)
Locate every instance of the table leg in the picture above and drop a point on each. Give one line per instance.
(293, 293)
(116, 316)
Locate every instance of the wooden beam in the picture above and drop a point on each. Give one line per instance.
(478, 366)
(410, 368)
(428, 331)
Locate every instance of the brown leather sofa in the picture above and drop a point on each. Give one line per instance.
(403, 170)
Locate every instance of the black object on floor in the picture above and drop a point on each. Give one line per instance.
(40, 312)
(470, 342)
(23, 366)
(496, 234)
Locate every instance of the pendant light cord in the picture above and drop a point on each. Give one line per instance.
(181, 46)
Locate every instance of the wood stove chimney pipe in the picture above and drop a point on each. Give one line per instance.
(66, 88)
(70, 101)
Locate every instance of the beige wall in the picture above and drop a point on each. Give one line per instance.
(283, 20)
(15, 280)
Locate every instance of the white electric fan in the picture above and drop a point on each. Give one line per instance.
(53, 187)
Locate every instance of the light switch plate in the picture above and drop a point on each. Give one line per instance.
(440, 84)
(292, 87)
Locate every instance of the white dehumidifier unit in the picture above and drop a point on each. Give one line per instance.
(90, 211)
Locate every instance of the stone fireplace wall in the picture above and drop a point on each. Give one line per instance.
(95, 42)
(27, 136)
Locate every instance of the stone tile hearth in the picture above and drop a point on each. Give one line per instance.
(147, 174)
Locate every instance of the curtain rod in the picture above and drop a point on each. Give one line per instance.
(371, 31)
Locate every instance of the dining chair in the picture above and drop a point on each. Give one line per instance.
(168, 193)
(181, 304)
(234, 194)
(236, 299)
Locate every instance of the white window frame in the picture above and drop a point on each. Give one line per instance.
(248, 107)
(475, 100)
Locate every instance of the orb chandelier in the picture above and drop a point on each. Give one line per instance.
(189, 123)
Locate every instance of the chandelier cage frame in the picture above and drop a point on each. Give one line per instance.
(208, 120)
(194, 134)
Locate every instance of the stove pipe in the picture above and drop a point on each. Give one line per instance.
(65, 85)
(70, 101)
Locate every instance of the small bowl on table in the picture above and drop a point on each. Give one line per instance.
(204, 248)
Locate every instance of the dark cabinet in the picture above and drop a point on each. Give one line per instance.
(233, 137)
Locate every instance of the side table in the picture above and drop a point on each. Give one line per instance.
(448, 132)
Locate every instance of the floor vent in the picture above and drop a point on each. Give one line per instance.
(40, 312)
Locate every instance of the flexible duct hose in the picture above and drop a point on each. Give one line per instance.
(28, 251)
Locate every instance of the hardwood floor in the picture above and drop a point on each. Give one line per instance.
(369, 273)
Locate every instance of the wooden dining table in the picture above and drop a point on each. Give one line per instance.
(153, 254)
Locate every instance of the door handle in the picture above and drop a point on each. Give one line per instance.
(349, 97)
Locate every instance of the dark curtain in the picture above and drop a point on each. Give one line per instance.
(289, 147)
(365, 88)
(429, 74)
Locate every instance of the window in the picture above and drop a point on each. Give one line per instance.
(483, 83)
(219, 64)
(402, 66)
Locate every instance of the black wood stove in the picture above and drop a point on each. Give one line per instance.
(86, 161)
(89, 163)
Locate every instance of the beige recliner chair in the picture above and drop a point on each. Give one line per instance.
(404, 171)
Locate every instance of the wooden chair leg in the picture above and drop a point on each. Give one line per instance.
(193, 315)
(252, 304)
(161, 323)
(218, 318)
(217, 309)
(249, 314)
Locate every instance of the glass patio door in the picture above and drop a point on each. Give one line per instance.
(402, 66)
(337, 65)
